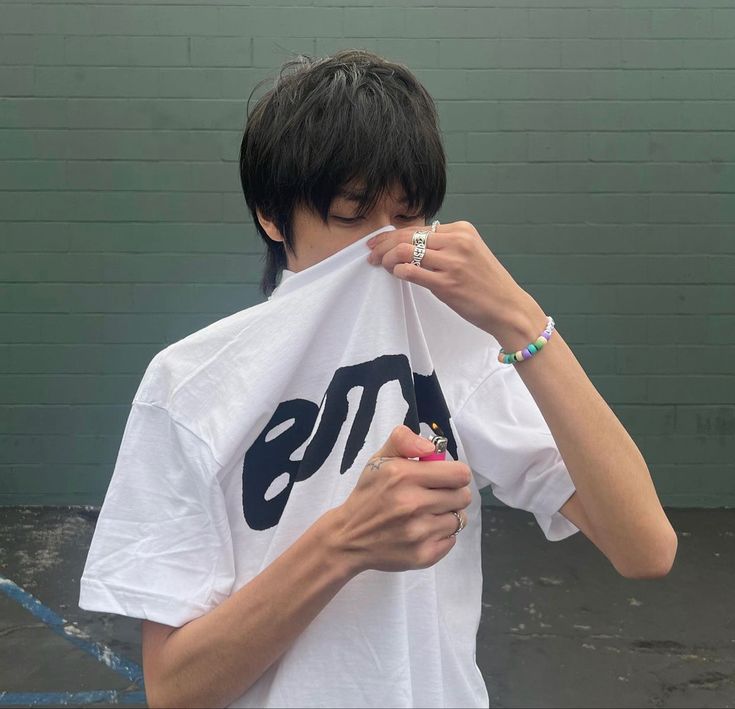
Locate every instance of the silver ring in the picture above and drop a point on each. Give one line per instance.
(460, 523)
(419, 246)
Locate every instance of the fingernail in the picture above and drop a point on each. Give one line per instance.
(426, 445)
(371, 242)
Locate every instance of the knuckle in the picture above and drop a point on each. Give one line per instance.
(391, 467)
(464, 244)
(425, 557)
(415, 532)
(465, 474)
(406, 507)
(466, 497)
(455, 277)
(399, 474)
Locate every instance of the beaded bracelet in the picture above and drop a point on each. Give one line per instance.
(531, 349)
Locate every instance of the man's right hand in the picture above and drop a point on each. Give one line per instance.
(399, 516)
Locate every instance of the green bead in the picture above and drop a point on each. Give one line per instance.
(532, 349)
(540, 342)
(508, 359)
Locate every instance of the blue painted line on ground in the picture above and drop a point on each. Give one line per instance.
(73, 699)
(127, 668)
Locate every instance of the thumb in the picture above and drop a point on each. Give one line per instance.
(404, 443)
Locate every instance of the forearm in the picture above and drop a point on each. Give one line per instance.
(609, 473)
(214, 659)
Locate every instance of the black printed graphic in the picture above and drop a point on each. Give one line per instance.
(266, 460)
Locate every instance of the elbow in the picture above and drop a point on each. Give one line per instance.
(156, 697)
(657, 564)
(152, 699)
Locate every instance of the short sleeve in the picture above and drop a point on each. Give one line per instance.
(162, 548)
(509, 446)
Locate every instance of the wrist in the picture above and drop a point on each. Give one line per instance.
(333, 534)
(521, 326)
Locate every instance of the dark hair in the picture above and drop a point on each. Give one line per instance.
(349, 119)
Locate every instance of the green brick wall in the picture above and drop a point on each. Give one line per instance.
(591, 143)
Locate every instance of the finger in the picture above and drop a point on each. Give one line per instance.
(389, 240)
(403, 253)
(441, 237)
(446, 524)
(440, 502)
(404, 443)
(439, 473)
(433, 280)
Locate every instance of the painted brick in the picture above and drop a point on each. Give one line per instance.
(510, 22)
(469, 53)
(679, 22)
(440, 22)
(289, 21)
(723, 22)
(16, 81)
(558, 23)
(532, 53)
(29, 49)
(468, 115)
(58, 388)
(497, 147)
(705, 420)
(146, 175)
(558, 147)
(607, 22)
(444, 83)
(125, 51)
(619, 146)
(648, 420)
(221, 51)
(271, 51)
(591, 53)
(391, 22)
(654, 54)
(498, 84)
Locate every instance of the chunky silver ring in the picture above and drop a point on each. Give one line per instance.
(419, 246)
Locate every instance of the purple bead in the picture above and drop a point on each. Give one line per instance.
(526, 353)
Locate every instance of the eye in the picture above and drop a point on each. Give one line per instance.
(348, 220)
(351, 220)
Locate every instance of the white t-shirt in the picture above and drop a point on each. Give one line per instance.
(244, 433)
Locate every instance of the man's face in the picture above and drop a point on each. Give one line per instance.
(315, 241)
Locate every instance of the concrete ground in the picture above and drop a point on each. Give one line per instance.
(560, 628)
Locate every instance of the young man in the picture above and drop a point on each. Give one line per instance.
(269, 517)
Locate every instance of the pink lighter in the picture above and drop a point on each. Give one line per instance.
(440, 444)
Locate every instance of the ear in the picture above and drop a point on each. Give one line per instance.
(269, 227)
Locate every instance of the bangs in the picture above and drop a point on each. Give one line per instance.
(370, 143)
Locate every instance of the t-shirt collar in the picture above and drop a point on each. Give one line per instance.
(296, 279)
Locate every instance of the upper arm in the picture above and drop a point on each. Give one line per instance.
(153, 636)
